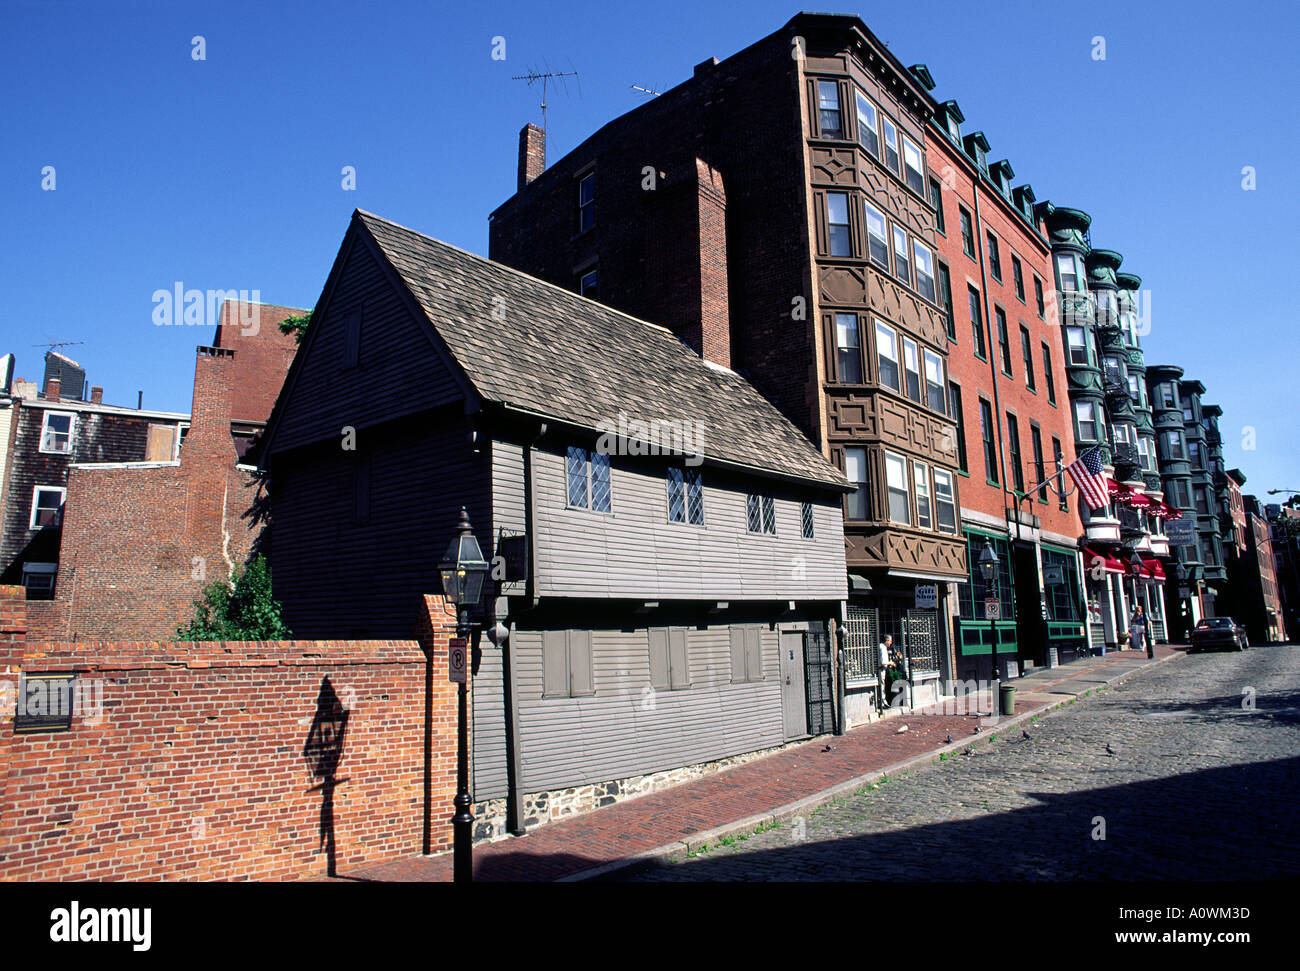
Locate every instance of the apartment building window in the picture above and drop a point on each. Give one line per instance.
(1027, 353)
(828, 109)
(806, 520)
(1174, 445)
(891, 147)
(566, 664)
(1038, 296)
(887, 357)
(990, 449)
(47, 507)
(896, 489)
(945, 299)
(1186, 401)
(921, 482)
(1112, 369)
(1047, 373)
(1004, 340)
(38, 579)
(586, 202)
(760, 514)
(936, 200)
(934, 381)
(1040, 471)
(995, 261)
(877, 244)
(868, 134)
(976, 322)
(1145, 453)
(56, 432)
(587, 285)
(1166, 395)
(1194, 455)
(914, 167)
(902, 258)
(1085, 418)
(967, 233)
(1135, 390)
(945, 502)
(911, 369)
(1202, 499)
(685, 496)
(1178, 492)
(1018, 278)
(1013, 445)
(1059, 458)
(1076, 345)
(588, 479)
(959, 420)
(848, 351)
(924, 260)
(1068, 269)
(857, 505)
(837, 224)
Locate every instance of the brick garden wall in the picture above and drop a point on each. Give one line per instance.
(213, 761)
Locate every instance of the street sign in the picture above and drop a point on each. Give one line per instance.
(457, 650)
(927, 596)
(992, 609)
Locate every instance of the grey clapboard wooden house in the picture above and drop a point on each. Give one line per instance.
(663, 610)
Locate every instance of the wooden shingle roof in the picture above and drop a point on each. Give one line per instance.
(534, 347)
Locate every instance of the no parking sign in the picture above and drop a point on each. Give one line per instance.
(457, 649)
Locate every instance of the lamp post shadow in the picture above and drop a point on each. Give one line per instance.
(323, 751)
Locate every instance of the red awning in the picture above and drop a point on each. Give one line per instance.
(1109, 563)
(1154, 569)
(1138, 501)
(1173, 512)
(1114, 487)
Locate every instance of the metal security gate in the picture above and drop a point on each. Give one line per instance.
(921, 640)
(817, 682)
(861, 645)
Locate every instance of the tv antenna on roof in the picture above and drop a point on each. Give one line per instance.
(533, 77)
(652, 93)
(53, 344)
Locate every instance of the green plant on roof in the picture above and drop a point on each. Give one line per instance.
(296, 326)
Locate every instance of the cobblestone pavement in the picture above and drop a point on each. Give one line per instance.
(1189, 771)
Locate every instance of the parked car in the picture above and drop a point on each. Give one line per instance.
(1219, 633)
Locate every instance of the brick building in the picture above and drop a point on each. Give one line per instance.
(773, 212)
(1007, 391)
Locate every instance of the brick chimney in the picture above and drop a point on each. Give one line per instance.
(96, 395)
(532, 153)
(714, 339)
(52, 386)
(209, 433)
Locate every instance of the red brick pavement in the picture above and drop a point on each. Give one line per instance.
(647, 822)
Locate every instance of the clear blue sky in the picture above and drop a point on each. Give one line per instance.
(225, 173)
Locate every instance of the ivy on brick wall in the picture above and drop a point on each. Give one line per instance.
(296, 326)
(246, 612)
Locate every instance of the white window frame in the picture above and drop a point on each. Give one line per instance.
(857, 456)
(1071, 346)
(931, 358)
(587, 210)
(824, 85)
(846, 326)
(36, 491)
(847, 225)
(891, 135)
(923, 261)
(880, 331)
(1080, 421)
(910, 146)
(863, 101)
(921, 486)
(1062, 261)
(875, 239)
(950, 503)
(45, 431)
(912, 350)
(896, 462)
(903, 258)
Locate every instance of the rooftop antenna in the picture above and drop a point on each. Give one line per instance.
(53, 344)
(532, 77)
(652, 93)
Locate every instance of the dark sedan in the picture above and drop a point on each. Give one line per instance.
(1219, 634)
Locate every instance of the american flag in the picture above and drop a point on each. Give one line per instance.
(1086, 473)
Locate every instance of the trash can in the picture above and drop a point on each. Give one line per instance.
(1008, 700)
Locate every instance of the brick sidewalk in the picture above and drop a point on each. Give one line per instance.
(649, 822)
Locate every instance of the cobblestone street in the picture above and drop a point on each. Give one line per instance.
(1189, 771)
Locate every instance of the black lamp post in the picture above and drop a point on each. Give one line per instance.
(989, 571)
(463, 570)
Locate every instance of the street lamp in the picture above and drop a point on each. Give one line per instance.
(989, 571)
(463, 570)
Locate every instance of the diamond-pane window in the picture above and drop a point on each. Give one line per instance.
(577, 468)
(806, 516)
(676, 497)
(695, 497)
(599, 482)
(769, 515)
(753, 515)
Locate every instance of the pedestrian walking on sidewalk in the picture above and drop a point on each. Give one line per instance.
(1139, 628)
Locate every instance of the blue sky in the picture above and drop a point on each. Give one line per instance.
(226, 172)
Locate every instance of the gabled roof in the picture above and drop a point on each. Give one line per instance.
(558, 355)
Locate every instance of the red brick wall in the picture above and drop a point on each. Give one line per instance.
(140, 544)
(200, 761)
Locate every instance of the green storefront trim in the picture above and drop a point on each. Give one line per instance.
(973, 636)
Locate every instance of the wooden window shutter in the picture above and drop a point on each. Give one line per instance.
(161, 444)
(754, 653)
(738, 637)
(658, 658)
(555, 664)
(580, 662)
(352, 339)
(678, 660)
